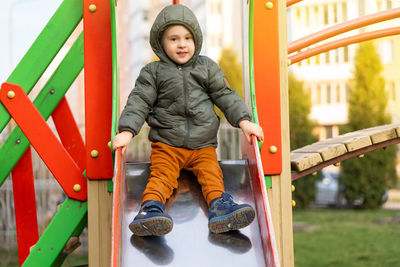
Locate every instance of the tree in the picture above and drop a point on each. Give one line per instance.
(300, 135)
(366, 180)
(232, 69)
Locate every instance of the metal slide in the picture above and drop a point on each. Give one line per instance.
(191, 243)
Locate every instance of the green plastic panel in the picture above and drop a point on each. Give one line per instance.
(62, 256)
(251, 66)
(71, 215)
(268, 181)
(46, 101)
(44, 49)
(115, 94)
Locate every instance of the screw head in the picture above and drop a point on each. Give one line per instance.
(11, 94)
(52, 91)
(293, 203)
(92, 8)
(269, 5)
(273, 149)
(109, 144)
(77, 187)
(18, 141)
(293, 188)
(94, 153)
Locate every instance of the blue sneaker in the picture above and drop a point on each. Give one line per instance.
(151, 220)
(226, 215)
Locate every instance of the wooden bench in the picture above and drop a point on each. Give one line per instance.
(309, 159)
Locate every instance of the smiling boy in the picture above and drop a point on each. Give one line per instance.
(176, 96)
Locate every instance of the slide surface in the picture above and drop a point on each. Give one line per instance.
(190, 243)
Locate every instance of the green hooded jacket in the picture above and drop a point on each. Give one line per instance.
(177, 101)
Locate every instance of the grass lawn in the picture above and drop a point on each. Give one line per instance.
(346, 238)
(9, 258)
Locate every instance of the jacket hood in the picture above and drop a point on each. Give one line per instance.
(172, 15)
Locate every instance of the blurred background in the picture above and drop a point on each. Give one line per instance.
(326, 95)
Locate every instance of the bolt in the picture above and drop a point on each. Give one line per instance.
(77, 187)
(293, 188)
(273, 149)
(94, 153)
(18, 141)
(52, 91)
(269, 5)
(11, 94)
(92, 8)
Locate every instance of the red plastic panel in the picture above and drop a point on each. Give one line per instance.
(69, 132)
(25, 205)
(98, 87)
(251, 153)
(267, 83)
(44, 141)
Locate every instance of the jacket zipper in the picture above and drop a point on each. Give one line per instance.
(185, 92)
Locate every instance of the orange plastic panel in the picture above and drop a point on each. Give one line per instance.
(98, 88)
(267, 83)
(69, 132)
(39, 134)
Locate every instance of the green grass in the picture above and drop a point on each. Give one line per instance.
(347, 238)
(9, 258)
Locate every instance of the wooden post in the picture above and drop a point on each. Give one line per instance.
(99, 223)
(281, 193)
(270, 78)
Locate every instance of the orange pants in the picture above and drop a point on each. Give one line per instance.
(166, 164)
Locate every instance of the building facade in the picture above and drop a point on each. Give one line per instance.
(326, 76)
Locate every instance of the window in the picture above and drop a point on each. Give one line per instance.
(392, 90)
(335, 15)
(328, 94)
(347, 92)
(346, 54)
(319, 95)
(379, 5)
(317, 59)
(344, 11)
(336, 55)
(316, 15)
(298, 14)
(327, 59)
(307, 16)
(326, 15)
(329, 131)
(337, 93)
(386, 51)
(388, 4)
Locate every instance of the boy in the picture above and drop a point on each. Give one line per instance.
(176, 97)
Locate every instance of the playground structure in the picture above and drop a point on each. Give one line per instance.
(84, 168)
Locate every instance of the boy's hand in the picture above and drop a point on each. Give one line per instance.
(122, 140)
(250, 128)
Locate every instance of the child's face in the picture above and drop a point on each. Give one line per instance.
(177, 41)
